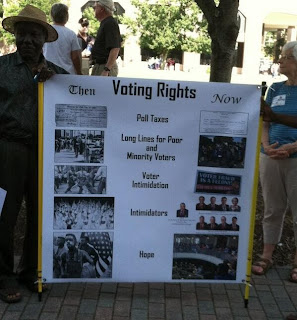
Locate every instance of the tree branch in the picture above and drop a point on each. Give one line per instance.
(208, 8)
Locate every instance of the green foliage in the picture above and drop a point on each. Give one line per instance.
(168, 25)
(13, 7)
(94, 23)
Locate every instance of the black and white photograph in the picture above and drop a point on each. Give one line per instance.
(79, 146)
(216, 182)
(81, 213)
(85, 255)
(204, 256)
(215, 203)
(221, 152)
(72, 115)
(220, 223)
(80, 179)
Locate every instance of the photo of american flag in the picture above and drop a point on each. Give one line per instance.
(103, 244)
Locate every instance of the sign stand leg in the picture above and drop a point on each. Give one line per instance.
(253, 216)
(40, 186)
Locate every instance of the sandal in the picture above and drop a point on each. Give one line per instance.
(293, 274)
(9, 291)
(265, 264)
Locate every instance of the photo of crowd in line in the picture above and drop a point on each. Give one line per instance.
(80, 179)
(222, 152)
(83, 213)
(203, 256)
(222, 223)
(79, 146)
(217, 182)
(212, 204)
(82, 255)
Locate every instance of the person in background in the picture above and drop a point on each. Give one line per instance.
(66, 51)
(287, 120)
(21, 72)
(83, 37)
(108, 41)
(278, 162)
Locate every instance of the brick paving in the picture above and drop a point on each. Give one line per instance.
(271, 297)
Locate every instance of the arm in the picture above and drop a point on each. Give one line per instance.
(76, 60)
(269, 115)
(113, 54)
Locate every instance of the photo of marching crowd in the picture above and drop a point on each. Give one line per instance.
(82, 255)
(83, 213)
(80, 179)
(222, 152)
(79, 146)
(203, 256)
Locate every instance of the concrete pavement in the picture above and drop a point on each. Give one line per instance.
(271, 297)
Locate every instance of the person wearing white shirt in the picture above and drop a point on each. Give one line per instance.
(66, 51)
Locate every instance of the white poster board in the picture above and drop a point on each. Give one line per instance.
(132, 166)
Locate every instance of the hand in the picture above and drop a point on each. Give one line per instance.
(288, 149)
(280, 154)
(266, 111)
(105, 73)
(271, 149)
(42, 72)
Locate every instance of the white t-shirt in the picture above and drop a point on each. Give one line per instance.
(59, 51)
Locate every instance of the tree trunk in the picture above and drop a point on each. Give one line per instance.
(222, 61)
(223, 28)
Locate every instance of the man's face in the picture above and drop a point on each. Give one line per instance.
(213, 200)
(60, 242)
(182, 207)
(30, 38)
(223, 220)
(201, 219)
(83, 241)
(201, 199)
(70, 242)
(224, 200)
(99, 10)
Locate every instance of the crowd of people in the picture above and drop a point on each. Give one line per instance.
(224, 154)
(90, 257)
(80, 179)
(18, 143)
(81, 144)
(191, 269)
(220, 247)
(83, 214)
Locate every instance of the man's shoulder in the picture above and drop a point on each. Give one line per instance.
(109, 21)
(9, 58)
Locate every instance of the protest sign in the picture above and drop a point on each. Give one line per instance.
(147, 180)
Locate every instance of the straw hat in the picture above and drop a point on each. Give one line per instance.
(31, 14)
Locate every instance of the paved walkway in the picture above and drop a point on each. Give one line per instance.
(271, 297)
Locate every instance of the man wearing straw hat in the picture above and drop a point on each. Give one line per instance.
(20, 73)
